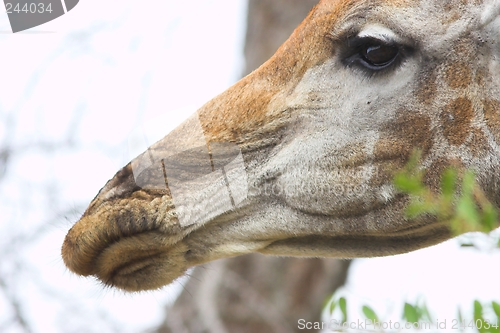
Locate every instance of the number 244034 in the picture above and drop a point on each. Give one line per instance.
(31, 8)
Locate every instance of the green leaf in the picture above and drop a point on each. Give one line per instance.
(343, 309)
(370, 314)
(489, 218)
(467, 211)
(410, 313)
(478, 316)
(333, 304)
(478, 310)
(496, 308)
(449, 183)
(468, 182)
(407, 184)
(413, 161)
(416, 208)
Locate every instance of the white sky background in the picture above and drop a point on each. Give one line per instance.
(68, 101)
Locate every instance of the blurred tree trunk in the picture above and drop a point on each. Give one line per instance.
(257, 293)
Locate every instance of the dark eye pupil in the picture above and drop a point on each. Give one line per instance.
(380, 55)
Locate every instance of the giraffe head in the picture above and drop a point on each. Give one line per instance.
(297, 158)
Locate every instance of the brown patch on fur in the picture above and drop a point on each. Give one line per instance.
(397, 141)
(481, 73)
(454, 4)
(492, 117)
(452, 13)
(353, 155)
(458, 75)
(402, 135)
(478, 144)
(384, 172)
(432, 177)
(455, 8)
(456, 119)
(427, 88)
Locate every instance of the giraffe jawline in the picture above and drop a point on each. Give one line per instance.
(361, 246)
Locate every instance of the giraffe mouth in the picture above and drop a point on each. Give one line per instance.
(142, 261)
(127, 247)
(151, 256)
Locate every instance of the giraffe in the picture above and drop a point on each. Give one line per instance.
(296, 159)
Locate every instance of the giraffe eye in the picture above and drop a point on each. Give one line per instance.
(379, 56)
(372, 54)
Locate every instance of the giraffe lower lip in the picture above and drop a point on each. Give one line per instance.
(135, 267)
(137, 270)
(145, 261)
